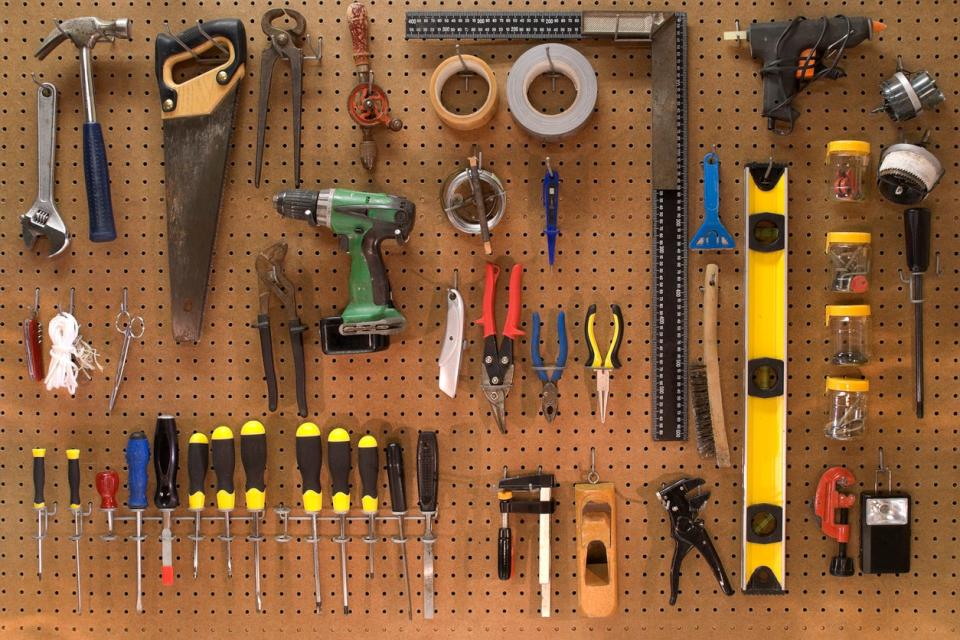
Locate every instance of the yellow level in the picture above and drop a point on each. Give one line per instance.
(764, 470)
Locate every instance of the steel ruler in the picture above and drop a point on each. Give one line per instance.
(667, 35)
(765, 407)
(635, 26)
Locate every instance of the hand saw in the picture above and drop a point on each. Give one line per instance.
(197, 125)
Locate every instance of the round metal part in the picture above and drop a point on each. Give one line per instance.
(367, 104)
(907, 173)
(906, 94)
(457, 201)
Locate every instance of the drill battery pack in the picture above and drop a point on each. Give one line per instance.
(335, 343)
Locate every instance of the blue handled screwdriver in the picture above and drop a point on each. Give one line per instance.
(138, 455)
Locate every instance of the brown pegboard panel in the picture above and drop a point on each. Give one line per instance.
(604, 256)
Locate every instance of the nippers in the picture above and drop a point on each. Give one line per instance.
(498, 358)
(689, 531)
(271, 282)
(549, 375)
(286, 44)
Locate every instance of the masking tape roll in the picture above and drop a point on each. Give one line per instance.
(535, 62)
(442, 74)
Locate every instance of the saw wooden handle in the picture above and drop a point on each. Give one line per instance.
(359, 34)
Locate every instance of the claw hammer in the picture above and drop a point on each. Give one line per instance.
(85, 33)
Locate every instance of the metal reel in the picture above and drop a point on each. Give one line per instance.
(456, 198)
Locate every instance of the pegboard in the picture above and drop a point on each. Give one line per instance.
(604, 256)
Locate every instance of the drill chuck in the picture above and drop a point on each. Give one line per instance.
(302, 204)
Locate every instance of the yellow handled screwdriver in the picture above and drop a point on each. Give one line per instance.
(338, 453)
(368, 461)
(253, 455)
(198, 460)
(224, 463)
(601, 364)
(309, 461)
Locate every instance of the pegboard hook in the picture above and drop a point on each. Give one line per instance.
(592, 476)
(466, 73)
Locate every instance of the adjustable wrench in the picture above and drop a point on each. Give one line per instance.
(43, 219)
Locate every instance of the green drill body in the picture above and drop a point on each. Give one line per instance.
(362, 221)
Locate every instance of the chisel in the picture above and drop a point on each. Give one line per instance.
(166, 461)
(398, 504)
(224, 463)
(253, 455)
(338, 453)
(368, 461)
(428, 479)
(198, 460)
(309, 461)
(138, 455)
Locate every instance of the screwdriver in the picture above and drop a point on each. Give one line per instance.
(398, 504)
(73, 479)
(338, 452)
(198, 460)
(138, 455)
(39, 479)
(253, 455)
(107, 483)
(309, 461)
(166, 461)
(916, 232)
(428, 479)
(224, 462)
(368, 460)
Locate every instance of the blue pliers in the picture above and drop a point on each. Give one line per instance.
(549, 376)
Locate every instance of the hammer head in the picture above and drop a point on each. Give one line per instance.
(85, 33)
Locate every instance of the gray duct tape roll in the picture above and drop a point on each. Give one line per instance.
(535, 62)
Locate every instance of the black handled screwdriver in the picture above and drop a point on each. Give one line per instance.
(198, 461)
(224, 464)
(398, 504)
(166, 462)
(916, 233)
(309, 462)
(368, 460)
(428, 480)
(73, 479)
(338, 453)
(253, 455)
(39, 478)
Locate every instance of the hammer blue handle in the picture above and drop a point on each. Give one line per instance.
(138, 455)
(97, 175)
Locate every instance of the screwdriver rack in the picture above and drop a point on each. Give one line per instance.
(284, 516)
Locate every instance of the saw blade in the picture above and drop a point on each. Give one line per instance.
(195, 155)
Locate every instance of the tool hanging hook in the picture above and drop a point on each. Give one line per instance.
(222, 49)
(592, 476)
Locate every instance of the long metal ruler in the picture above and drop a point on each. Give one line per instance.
(765, 407)
(667, 34)
(634, 26)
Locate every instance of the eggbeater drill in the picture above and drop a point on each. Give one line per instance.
(362, 221)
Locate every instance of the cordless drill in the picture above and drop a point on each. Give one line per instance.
(362, 221)
(798, 52)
